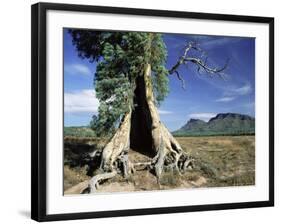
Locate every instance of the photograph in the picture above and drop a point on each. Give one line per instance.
(149, 111)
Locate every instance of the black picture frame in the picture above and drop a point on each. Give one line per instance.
(38, 116)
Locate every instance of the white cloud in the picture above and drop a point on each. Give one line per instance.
(164, 112)
(233, 92)
(202, 116)
(81, 101)
(77, 69)
(244, 90)
(85, 101)
(239, 91)
(225, 99)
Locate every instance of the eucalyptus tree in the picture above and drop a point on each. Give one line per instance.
(131, 80)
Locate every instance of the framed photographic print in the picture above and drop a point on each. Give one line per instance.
(138, 111)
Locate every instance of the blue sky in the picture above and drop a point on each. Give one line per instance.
(203, 97)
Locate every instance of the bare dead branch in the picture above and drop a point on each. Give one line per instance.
(203, 65)
(200, 62)
(181, 79)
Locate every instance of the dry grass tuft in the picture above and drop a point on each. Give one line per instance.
(73, 176)
(170, 178)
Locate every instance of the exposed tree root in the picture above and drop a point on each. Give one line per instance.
(95, 181)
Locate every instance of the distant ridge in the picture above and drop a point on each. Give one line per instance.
(221, 124)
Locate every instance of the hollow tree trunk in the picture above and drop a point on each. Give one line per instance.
(141, 130)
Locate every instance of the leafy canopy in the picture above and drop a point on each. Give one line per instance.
(121, 57)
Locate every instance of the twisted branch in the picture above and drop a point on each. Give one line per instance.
(200, 62)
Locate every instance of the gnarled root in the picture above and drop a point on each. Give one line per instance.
(170, 155)
(114, 157)
(127, 166)
(94, 182)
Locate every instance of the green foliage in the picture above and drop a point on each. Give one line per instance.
(160, 78)
(160, 83)
(121, 58)
(93, 122)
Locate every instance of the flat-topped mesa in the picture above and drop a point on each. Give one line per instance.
(231, 115)
(221, 124)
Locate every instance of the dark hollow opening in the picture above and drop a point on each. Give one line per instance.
(141, 122)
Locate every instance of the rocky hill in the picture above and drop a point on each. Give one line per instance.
(221, 124)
